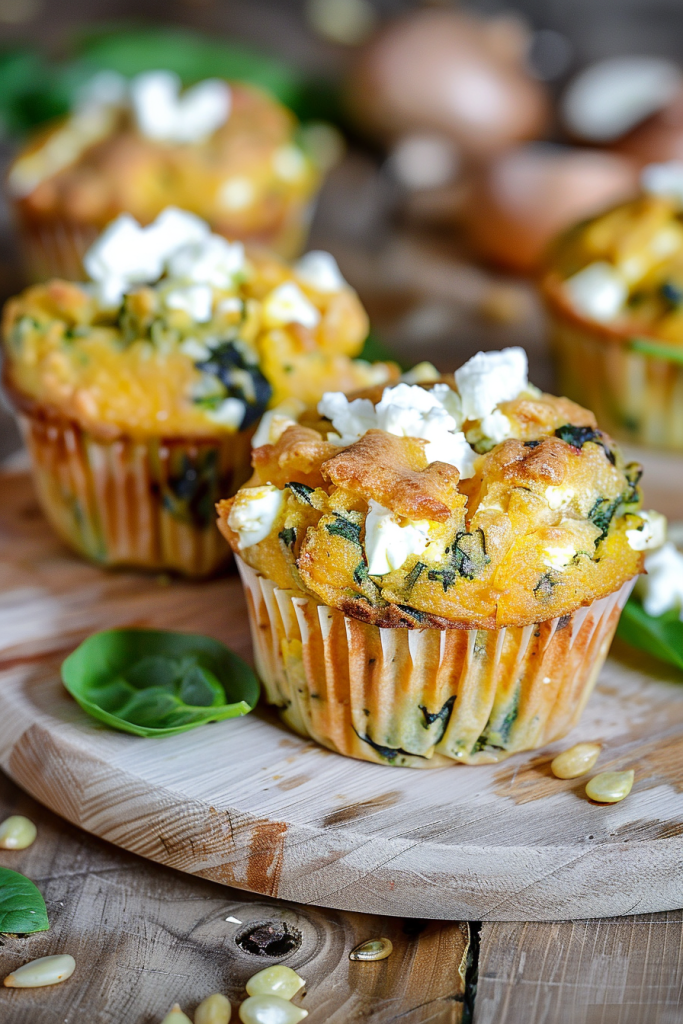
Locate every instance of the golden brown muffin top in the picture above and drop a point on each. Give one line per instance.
(242, 177)
(181, 333)
(492, 532)
(622, 271)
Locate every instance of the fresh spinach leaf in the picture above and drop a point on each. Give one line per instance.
(22, 908)
(157, 683)
(342, 527)
(661, 635)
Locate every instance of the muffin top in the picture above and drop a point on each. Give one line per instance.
(181, 333)
(226, 152)
(623, 270)
(473, 501)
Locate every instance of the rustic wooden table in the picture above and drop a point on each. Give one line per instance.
(145, 936)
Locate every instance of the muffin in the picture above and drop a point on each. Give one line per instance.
(614, 291)
(434, 572)
(227, 153)
(139, 390)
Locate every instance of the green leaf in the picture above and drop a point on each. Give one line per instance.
(192, 56)
(661, 635)
(22, 908)
(671, 352)
(156, 683)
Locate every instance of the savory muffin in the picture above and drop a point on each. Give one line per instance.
(228, 153)
(435, 572)
(140, 389)
(614, 290)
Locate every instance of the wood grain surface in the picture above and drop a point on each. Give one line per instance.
(628, 971)
(144, 936)
(249, 804)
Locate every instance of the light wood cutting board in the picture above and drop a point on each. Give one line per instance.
(249, 804)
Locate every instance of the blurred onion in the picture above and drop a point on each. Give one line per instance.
(452, 74)
(529, 194)
(609, 98)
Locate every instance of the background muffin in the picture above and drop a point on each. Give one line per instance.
(436, 572)
(614, 290)
(225, 152)
(140, 390)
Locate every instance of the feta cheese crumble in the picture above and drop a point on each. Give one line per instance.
(558, 497)
(405, 410)
(664, 180)
(489, 378)
(319, 270)
(287, 304)
(195, 300)
(652, 534)
(662, 589)
(254, 513)
(558, 556)
(211, 260)
(390, 540)
(598, 291)
(274, 422)
(164, 115)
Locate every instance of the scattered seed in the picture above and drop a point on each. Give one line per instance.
(576, 761)
(610, 787)
(270, 1010)
(176, 1016)
(214, 1009)
(277, 980)
(373, 949)
(16, 833)
(46, 970)
(233, 920)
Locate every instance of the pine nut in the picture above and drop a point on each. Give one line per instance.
(214, 1009)
(576, 761)
(270, 1010)
(176, 1016)
(16, 833)
(46, 970)
(610, 787)
(373, 949)
(277, 980)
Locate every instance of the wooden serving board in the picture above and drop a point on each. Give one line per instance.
(251, 805)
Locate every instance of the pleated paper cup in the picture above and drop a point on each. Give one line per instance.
(424, 698)
(634, 385)
(144, 503)
(55, 248)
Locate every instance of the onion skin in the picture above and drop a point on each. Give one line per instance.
(527, 196)
(449, 73)
(658, 139)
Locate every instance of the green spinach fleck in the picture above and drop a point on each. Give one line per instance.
(342, 527)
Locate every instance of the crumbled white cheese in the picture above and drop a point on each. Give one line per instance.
(230, 305)
(390, 540)
(236, 193)
(598, 291)
(664, 179)
(287, 304)
(274, 422)
(289, 163)
(558, 497)
(127, 254)
(254, 513)
(229, 413)
(489, 378)
(558, 556)
(652, 534)
(662, 589)
(195, 349)
(407, 411)
(319, 271)
(163, 114)
(195, 299)
(496, 427)
(104, 89)
(422, 373)
(213, 260)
